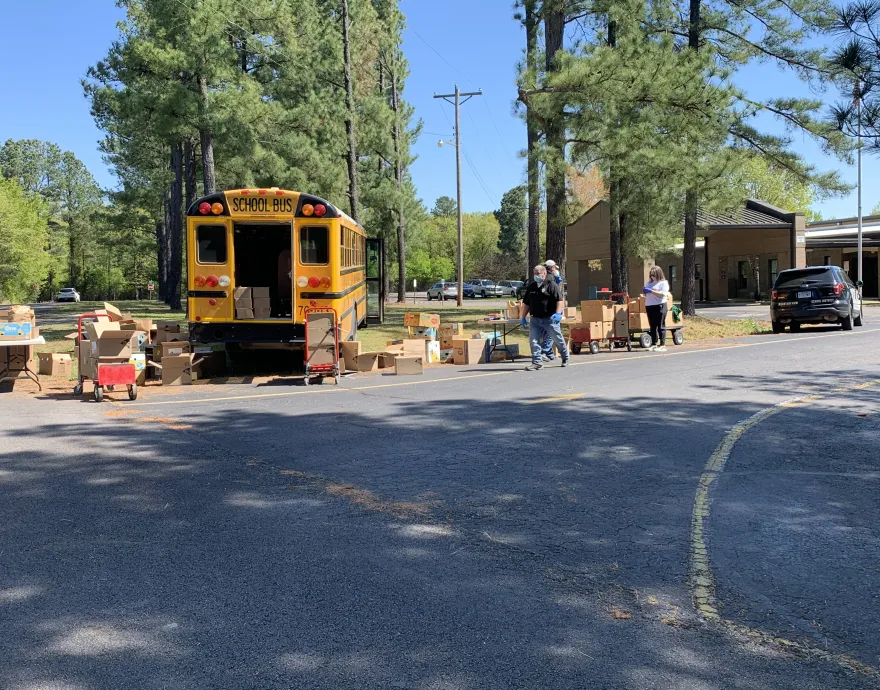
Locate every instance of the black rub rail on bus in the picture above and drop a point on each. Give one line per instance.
(262, 201)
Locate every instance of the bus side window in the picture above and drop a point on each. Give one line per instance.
(211, 241)
(314, 244)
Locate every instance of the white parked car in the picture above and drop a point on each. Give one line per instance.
(67, 295)
(510, 287)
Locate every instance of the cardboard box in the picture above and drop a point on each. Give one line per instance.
(446, 342)
(570, 313)
(670, 323)
(262, 303)
(451, 329)
(621, 329)
(470, 350)
(55, 364)
(418, 319)
(432, 352)
(260, 293)
(447, 356)
(368, 361)
(244, 313)
(114, 314)
(597, 310)
(145, 325)
(386, 359)
(244, 293)
(244, 303)
(16, 330)
(19, 356)
(504, 353)
(17, 313)
(638, 321)
(172, 348)
(262, 313)
(177, 370)
(349, 350)
(405, 366)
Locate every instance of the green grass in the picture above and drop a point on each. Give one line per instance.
(699, 328)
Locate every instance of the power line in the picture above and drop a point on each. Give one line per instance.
(477, 175)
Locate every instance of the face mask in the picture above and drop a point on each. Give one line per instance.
(555, 271)
(538, 278)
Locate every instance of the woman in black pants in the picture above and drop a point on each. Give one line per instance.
(656, 291)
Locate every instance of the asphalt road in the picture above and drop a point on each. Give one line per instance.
(478, 527)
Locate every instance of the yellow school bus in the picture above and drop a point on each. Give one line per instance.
(257, 258)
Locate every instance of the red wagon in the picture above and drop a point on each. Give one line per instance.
(106, 375)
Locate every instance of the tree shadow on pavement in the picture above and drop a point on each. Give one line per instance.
(441, 546)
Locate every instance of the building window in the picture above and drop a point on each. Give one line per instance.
(698, 271)
(827, 261)
(673, 273)
(772, 272)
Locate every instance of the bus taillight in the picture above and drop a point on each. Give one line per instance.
(314, 282)
(307, 209)
(320, 210)
(325, 282)
(199, 281)
(211, 281)
(216, 208)
(205, 208)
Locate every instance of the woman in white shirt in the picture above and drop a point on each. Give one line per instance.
(656, 291)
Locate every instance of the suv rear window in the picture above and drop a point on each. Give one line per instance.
(799, 276)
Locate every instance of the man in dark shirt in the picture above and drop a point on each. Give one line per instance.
(543, 301)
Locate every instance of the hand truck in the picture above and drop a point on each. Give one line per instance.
(322, 343)
(106, 375)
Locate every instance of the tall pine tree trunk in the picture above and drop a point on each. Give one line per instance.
(398, 178)
(72, 247)
(691, 201)
(533, 233)
(554, 29)
(189, 166)
(162, 233)
(206, 135)
(619, 268)
(350, 114)
(175, 235)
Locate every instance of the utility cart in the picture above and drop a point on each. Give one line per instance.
(107, 375)
(322, 343)
(594, 341)
(643, 335)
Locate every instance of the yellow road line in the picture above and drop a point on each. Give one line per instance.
(598, 361)
(555, 398)
(702, 578)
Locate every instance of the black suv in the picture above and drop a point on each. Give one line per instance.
(816, 294)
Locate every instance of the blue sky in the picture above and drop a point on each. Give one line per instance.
(473, 43)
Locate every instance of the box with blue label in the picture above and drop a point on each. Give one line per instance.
(16, 331)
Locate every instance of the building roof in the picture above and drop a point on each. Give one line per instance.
(754, 214)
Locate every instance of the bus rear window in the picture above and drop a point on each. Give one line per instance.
(212, 244)
(314, 245)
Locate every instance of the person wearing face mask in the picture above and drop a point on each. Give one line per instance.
(656, 291)
(547, 353)
(543, 301)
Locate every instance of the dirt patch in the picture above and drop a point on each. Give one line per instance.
(165, 421)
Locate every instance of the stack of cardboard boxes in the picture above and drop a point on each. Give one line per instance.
(638, 316)
(604, 319)
(252, 303)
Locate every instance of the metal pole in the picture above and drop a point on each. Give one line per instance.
(859, 106)
(458, 299)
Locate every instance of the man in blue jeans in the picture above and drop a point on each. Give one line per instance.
(547, 341)
(543, 300)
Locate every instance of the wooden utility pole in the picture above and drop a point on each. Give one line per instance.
(457, 96)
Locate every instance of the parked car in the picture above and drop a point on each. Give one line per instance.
(486, 288)
(467, 291)
(508, 287)
(443, 291)
(816, 294)
(67, 295)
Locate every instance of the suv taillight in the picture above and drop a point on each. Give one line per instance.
(838, 288)
(774, 294)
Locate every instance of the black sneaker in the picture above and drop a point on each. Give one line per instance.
(534, 367)
(565, 361)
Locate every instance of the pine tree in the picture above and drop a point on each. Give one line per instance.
(512, 218)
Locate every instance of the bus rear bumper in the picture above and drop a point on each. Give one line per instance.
(246, 332)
